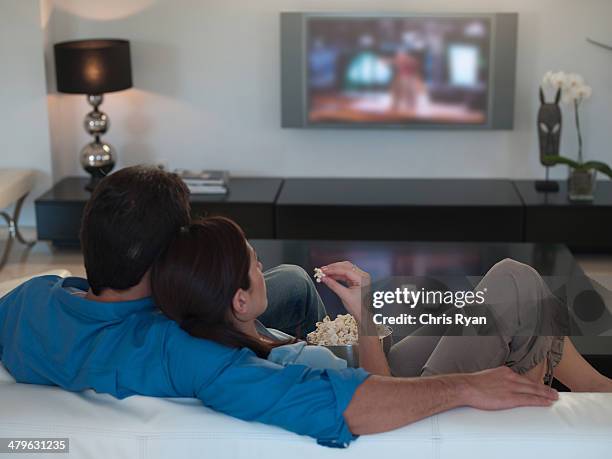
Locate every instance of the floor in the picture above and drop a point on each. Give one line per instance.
(598, 267)
(38, 259)
(44, 257)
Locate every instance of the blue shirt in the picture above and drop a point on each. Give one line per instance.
(50, 336)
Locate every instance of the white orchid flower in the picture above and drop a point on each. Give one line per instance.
(577, 93)
(547, 78)
(585, 91)
(570, 95)
(558, 80)
(572, 85)
(574, 81)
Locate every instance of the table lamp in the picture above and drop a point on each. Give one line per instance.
(94, 67)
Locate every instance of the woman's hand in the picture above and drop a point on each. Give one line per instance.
(371, 355)
(354, 278)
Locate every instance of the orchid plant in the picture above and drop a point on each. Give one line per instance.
(574, 92)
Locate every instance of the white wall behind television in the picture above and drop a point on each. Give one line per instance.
(206, 93)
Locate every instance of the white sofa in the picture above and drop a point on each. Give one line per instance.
(99, 426)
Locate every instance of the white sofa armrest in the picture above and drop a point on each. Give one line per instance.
(9, 285)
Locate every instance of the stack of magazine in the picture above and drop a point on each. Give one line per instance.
(205, 182)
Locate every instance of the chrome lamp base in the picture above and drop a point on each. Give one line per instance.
(97, 157)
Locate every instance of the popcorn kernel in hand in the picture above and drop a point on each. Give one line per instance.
(318, 274)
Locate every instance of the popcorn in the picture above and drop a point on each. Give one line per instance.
(341, 331)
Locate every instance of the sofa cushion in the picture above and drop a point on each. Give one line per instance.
(100, 426)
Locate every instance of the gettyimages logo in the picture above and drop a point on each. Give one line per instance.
(427, 300)
(512, 300)
(412, 298)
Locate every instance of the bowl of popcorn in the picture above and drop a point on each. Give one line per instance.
(341, 336)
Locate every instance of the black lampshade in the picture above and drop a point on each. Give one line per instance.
(93, 66)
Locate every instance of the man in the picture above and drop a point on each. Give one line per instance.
(105, 333)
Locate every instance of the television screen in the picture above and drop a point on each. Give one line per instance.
(398, 70)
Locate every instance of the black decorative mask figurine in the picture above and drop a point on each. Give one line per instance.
(549, 128)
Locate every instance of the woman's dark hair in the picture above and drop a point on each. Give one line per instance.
(129, 219)
(195, 279)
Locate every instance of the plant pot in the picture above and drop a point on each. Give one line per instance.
(581, 184)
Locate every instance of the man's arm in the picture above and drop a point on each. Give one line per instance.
(6, 299)
(330, 405)
(382, 403)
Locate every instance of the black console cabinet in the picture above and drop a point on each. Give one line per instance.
(552, 217)
(460, 210)
(250, 202)
(59, 211)
(399, 209)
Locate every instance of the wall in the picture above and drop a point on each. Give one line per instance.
(24, 128)
(206, 91)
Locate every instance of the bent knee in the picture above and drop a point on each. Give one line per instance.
(509, 265)
(293, 271)
(294, 275)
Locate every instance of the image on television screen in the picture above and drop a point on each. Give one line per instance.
(398, 70)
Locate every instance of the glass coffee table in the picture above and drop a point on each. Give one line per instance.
(395, 258)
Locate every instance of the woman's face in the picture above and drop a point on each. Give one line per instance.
(257, 292)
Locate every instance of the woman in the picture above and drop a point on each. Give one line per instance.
(209, 280)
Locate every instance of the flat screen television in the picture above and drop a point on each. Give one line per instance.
(398, 70)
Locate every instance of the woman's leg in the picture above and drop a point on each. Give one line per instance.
(577, 374)
(431, 351)
(407, 357)
(529, 355)
(518, 301)
(294, 305)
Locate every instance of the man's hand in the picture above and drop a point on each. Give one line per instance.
(501, 388)
(383, 403)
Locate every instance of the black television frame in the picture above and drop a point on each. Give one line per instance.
(502, 71)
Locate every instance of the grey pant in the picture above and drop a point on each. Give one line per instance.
(294, 305)
(528, 331)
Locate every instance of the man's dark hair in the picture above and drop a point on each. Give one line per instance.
(130, 218)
